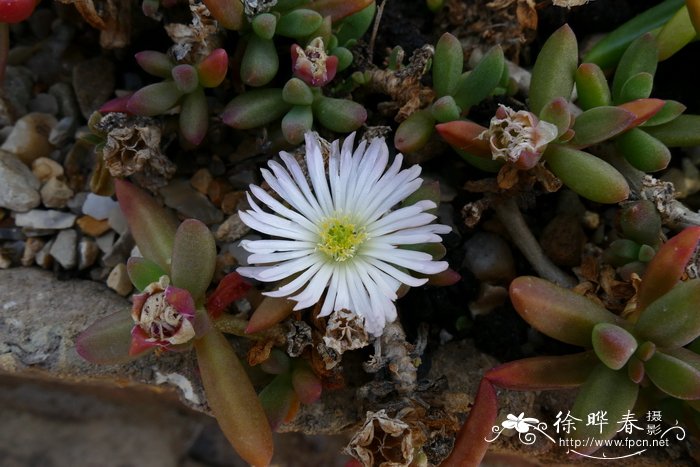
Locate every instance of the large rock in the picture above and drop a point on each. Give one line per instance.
(19, 188)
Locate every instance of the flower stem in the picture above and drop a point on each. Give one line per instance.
(512, 219)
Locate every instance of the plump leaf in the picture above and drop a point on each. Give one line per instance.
(554, 70)
(306, 383)
(356, 25)
(271, 311)
(194, 258)
(277, 363)
(185, 78)
(606, 52)
(480, 82)
(254, 109)
(462, 135)
(297, 122)
(673, 375)
(212, 70)
(544, 373)
(298, 23)
(448, 62)
(586, 174)
(339, 115)
(668, 112)
(155, 63)
(297, 92)
(621, 251)
(151, 225)
(683, 131)
(613, 345)
(643, 151)
(638, 86)
(443, 279)
(599, 124)
(194, 117)
(557, 113)
(641, 222)
(233, 400)
(673, 319)
(338, 9)
(470, 444)
(260, 61)
(107, 340)
(558, 312)
(344, 57)
(229, 14)
(154, 99)
(667, 267)
(143, 272)
(231, 288)
(414, 132)
(277, 399)
(643, 109)
(592, 87)
(640, 57)
(445, 109)
(676, 34)
(607, 390)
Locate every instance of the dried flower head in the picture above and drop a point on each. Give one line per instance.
(342, 236)
(164, 316)
(382, 441)
(519, 137)
(312, 64)
(252, 8)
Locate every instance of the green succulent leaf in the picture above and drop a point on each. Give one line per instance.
(356, 25)
(194, 258)
(264, 25)
(270, 311)
(297, 92)
(667, 267)
(339, 115)
(557, 113)
(668, 112)
(338, 9)
(641, 222)
(587, 175)
(676, 33)
(448, 62)
(445, 109)
(154, 99)
(143, 272)
(212, 70)
(600, 124)
(544, 373)
(255, 108)
(232, 399)
(638, 86)
(155, 63)
(107, 341)
(480, 83)
(277, 399)
(260, 61)
(694, 13)
(605, 390)
(306, 383)
(613, 345)
(185, 78)
(345, 57)
(608, 51)
(296, 123)
(683, 131)
(675, 376)
(640, 57)
(194, 117)
(554, 70)
(151, 225)
(298, 23)
(277, 363)
(558, 312)
(414, 132)
(462, 135)
(592, 86)
(673, 319)
(643, 151)
(228, 14)
(621, 251)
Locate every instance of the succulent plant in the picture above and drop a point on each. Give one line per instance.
(643, 351)
(639, 128)
(178, 316)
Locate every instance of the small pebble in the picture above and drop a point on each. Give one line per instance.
(99, 72)
(98, 206)
(231, 229)
(19, 187)
(29, 138)
(180, 196)
(87, 253)
(64, 249)
(120, 251)
(231, 201)
(63, 130)
(75, 204)
(45, 169)
(43, 257)
(106, 242)
(11, 233)
(68, 107)
(91, 226)
(489, 258)
(44, 103)
(118, 280)
(55, 193)
(45, 219)
(117, 221)
(32, 247)
(200, 180)
(5, 260)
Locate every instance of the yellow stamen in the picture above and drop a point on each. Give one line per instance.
(340, 238)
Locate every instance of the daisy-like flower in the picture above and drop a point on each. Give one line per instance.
(339, 234)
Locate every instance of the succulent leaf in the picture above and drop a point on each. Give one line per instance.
(154, 99)
(599, 124)
(641, 222)
(445, 109)
(673, 319)
(194, 117)
(644, 109)
(277, 399)
(228, 13)
(271, 311)
(558, 312)
(143, 272)
(306, 383)
(643, 151)
(264, 25)
(297, 92)
(613, 345)
(339, 115)
(640, 57)
(233, 400)
(260, 61)
(683, 131)
(151, 225)
(254, 109)
(554, 70)
(480, 82)
(638, 86)
(607, 390)
(212, 70)
(586, 174)
(448, 62)
(344, 57)
(356, 25)
(298, 23)
(667, 267)
(676, 34)
(194, 258)
(297, 122)
(544, 373)
(694, 13)
(414, 132)
(668, 112)
(557, 113)
(338, 9)
(463, 135)
(107, 341)
(155, 63)
(592, 86)
(675, 376)
(277, 363)
(231, 288)
(185, 78)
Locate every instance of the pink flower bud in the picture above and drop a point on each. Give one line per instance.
(313, 65)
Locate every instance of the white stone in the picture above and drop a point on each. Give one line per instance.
(19, 188)
(45, 219)
(64, 248)
(98, 206)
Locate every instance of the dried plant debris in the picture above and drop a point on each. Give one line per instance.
(345, 331)
(194, 41)
(132, 147)
(382, 441)
(111, 17)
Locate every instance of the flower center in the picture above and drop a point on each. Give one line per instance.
(340, 238)
(158, 318)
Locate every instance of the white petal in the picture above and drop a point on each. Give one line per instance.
(281, 209)
(250, 219)
(395, 273)
(313, 291)
(295, 284)
(284, 185)
(271, 246)
(300, 180)
(385, 283)
(317, 173)
(266, 258)
(413, 260)
(329, 301)
(287, 268)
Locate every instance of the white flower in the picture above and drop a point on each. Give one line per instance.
(342, 236)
